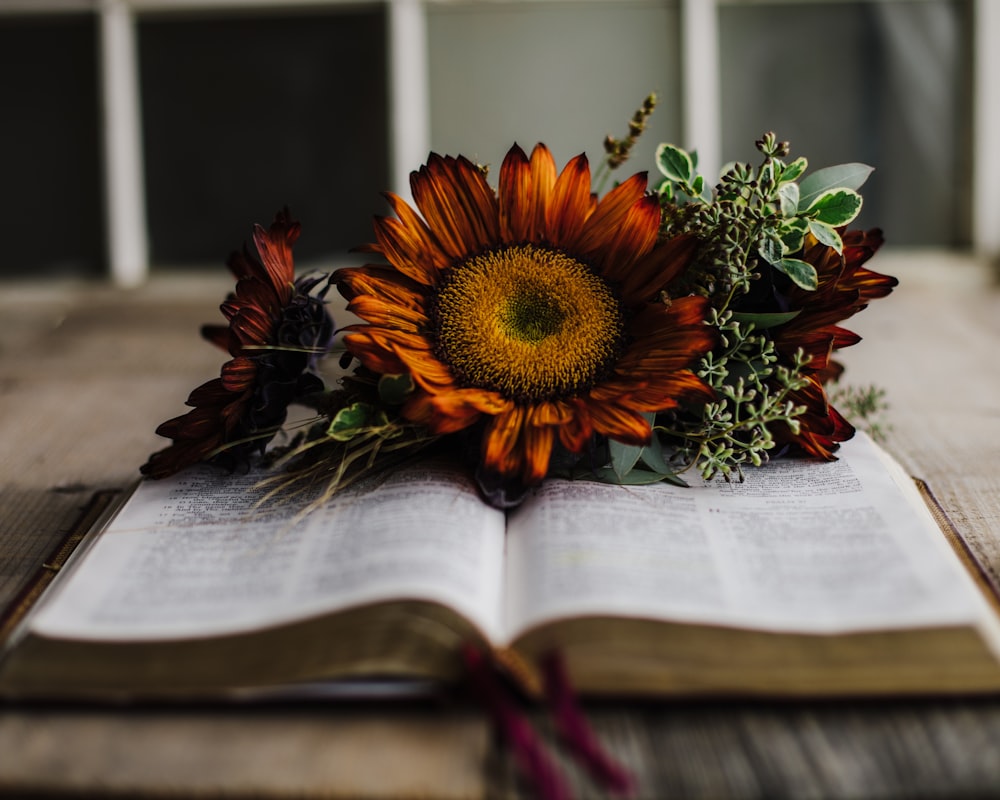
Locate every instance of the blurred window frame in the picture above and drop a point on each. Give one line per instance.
(408, 92)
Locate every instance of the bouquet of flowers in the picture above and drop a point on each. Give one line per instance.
(542, 328)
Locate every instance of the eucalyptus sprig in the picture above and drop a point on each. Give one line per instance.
(752, 395)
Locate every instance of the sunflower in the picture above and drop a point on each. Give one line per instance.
(276, 330)
(528, 316)
(845, 287)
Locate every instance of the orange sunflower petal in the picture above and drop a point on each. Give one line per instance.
(424, 410)
(575, 433)
(380, 281)
(516, 199)
(426, 370)
(403, 252)
(667, 338)
(620, 423)
(656, 392)
(686, 312)
(251, 291)
(543, 179)
(535, 452)
(252, 326)
(373, 353)
(379, 311)
(500, 439)
(238, 374)
(482, 400)
(552, 412)
(453, 410)
(614, 208)
(511, 445)
(275, 249)
(384, 349)
(633, 238)
(657, 269)
(569, 204)
(409, 244)
(821, 427)
(457, 203)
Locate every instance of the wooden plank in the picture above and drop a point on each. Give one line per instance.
(86, 374)
(253, 753)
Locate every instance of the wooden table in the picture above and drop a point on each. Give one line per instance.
(86, 374)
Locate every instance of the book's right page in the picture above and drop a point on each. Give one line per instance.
(799, 546)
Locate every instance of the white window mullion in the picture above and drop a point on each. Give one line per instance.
(409, 95)
(700, 89)
(986, 125)
(128, 251)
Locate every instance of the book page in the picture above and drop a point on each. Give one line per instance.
(798, 546)
(193, 556)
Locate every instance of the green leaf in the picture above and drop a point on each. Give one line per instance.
(825, 234)
(675, 479)
(843, 176)
(788, 195)
(623, 457)
(394, 389)
(636, 477)
(792, 233)
(801, 272)
(797, 224)
(674, 163)
(835, 208)
(763, 321)
(652, 456)
(667, 190)
(771, 248)
(792, 171)
(349, 421)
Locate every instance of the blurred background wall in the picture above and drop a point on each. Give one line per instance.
(239, 107)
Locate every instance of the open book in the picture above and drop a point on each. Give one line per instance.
(807, 578)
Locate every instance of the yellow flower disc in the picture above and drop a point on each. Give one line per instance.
(529, 322)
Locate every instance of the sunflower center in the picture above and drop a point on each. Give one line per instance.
(526, 321)
(531, 315)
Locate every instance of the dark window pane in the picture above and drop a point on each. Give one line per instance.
(246, 113)
(51, 217)
(886, 83)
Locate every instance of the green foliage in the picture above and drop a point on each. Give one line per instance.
(655, 464)
(757, 217)
(755, 220)
(752, 390)
(394, 389)
(354, 420)
(866, 406)
(843, 176)
(802, 272)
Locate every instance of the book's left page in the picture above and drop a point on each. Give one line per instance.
(194, 556)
